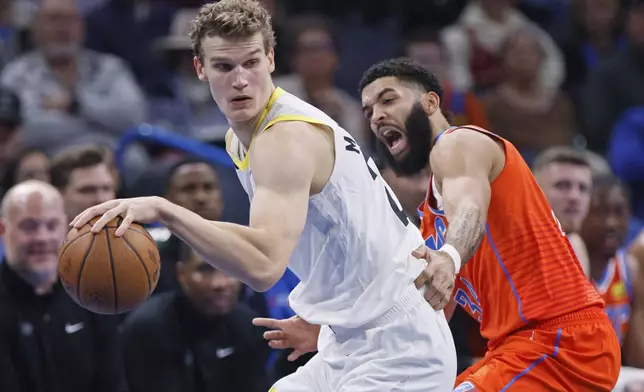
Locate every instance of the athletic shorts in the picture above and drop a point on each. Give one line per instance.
(409, 349)
(578, 352)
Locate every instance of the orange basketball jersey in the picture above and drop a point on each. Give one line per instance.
(617, 293)
(525, 270)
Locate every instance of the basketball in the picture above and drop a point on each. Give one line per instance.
(107, 274)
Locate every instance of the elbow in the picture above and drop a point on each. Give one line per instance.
(265, 278)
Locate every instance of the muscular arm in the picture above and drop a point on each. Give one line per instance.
(283, 161)
(463, 163)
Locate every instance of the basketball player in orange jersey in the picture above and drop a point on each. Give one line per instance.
(617, 275)
(486, 219)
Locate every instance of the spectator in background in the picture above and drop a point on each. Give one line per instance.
(47, 342)
(71, 95)
(475, 45)
(83, 177)
(314, 61)
(565, 177)
(29, 164)
(618, 277)
(127, 29)
(10, 122)
(616, 85)
(597, 34)
(192, 184)
(191, 110)
(521, 109)
(463, 106)
(195, 339)
(9, 36)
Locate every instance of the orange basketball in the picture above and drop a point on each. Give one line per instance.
(107, 274)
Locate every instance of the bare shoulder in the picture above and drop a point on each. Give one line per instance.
(288, 149)
(466, 149)
(635, 256)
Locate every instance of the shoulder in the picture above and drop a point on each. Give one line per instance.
(287, 141)
(464, 145)
(15, 71)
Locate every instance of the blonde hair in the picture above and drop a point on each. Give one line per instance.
(231, 19)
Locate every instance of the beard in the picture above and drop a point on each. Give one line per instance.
(419, 144)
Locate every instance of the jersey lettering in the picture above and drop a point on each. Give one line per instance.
(352, 146)
(373, 171)
(469, 300)
(437, 240)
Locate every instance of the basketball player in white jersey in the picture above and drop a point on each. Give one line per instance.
(319, 206)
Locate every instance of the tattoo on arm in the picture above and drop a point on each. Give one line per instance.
(466, 231)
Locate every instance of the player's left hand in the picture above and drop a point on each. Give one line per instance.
(140, 210)
(438, 277)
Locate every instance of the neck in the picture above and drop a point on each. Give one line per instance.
(522, 85)
(494, 12)
(598, 263)
(439, 125)
(245, 130)
(40, 285)
(601, 39)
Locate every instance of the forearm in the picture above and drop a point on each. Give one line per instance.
(239, 251)
(466, 229)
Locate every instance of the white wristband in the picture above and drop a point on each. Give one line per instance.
(453, 253)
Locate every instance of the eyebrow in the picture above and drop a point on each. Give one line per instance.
(380, 94)
(227, 59)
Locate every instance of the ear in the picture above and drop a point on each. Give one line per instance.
(3, 227)
(271, 60)
(431, 102)
(200, 69)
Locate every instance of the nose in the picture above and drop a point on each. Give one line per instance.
(219, 281)
(240, 81)
(377, 117)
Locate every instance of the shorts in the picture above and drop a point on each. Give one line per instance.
(409, 349)
(578, 352)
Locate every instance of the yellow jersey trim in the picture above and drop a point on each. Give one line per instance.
(242, 164)
(293, 117)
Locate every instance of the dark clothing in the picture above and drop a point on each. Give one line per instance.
(50, 344)
(615, 86)
(170, 347)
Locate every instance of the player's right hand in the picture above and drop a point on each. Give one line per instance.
(293, 333)
(140, 210)
(438, 277)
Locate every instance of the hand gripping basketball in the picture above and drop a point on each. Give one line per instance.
(293, 333)
(140, 210)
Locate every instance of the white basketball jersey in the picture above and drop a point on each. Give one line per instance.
(354, 256)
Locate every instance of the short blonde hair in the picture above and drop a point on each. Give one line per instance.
(232, 19)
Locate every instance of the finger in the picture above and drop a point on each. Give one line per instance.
(294, 355)
(266, 322)
(107, 218)
(127, 221)
(87, 215)
(279, 344)
(420, 252)
(274, 335)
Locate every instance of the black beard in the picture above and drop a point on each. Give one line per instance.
(419, 140)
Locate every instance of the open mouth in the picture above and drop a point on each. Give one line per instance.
(240, 99)
(393, 139)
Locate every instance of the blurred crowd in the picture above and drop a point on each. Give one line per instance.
(561, 79)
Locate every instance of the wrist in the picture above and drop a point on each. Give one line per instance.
(163, 210)
(451, 251)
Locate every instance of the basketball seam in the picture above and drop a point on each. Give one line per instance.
(147, 273)
(82, 267)
(109, 251)
(62, 251)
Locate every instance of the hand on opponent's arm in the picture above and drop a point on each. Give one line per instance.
(463, 164)
(283, 163)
